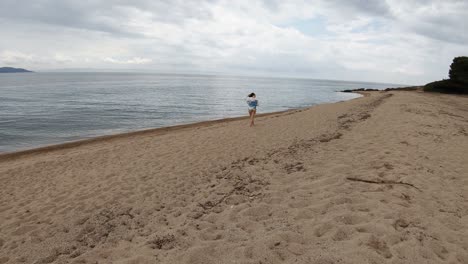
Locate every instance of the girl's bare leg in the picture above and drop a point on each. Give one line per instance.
(252, 116)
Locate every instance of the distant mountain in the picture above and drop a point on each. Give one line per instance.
(12, 70)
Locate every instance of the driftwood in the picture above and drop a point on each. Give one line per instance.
(383, 182)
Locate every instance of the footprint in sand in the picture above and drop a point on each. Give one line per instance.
(343, 233)
(23, 230)
(323, 229)
(438, 249)
(164, 242)
(380, 246)
(349, 219)
(258, 213)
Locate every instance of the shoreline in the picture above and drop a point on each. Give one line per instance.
(110, 137)
(159, 131)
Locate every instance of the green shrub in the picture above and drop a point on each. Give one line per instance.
(459, 70)
(447, 86)
(458, 82)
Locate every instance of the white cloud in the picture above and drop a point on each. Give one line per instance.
(390, 41)
(9, 57)
(135, 60)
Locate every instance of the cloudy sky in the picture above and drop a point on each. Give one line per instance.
(396, 41)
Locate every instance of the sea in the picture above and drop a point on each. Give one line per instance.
(39, 109)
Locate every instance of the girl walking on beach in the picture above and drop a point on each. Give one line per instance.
(252, 102)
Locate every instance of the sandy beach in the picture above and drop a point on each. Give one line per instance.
(378, 179)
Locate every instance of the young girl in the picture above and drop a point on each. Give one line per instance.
(252, 102)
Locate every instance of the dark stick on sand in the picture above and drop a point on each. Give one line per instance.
(383, 182)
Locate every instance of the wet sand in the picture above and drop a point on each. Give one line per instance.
(378, 179)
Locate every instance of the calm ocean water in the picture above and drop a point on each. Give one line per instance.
(38, 109)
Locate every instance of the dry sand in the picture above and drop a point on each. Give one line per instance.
(378, 179)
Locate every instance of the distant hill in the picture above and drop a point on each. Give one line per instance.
(12, 70)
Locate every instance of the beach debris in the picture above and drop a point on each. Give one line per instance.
(383, 182)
